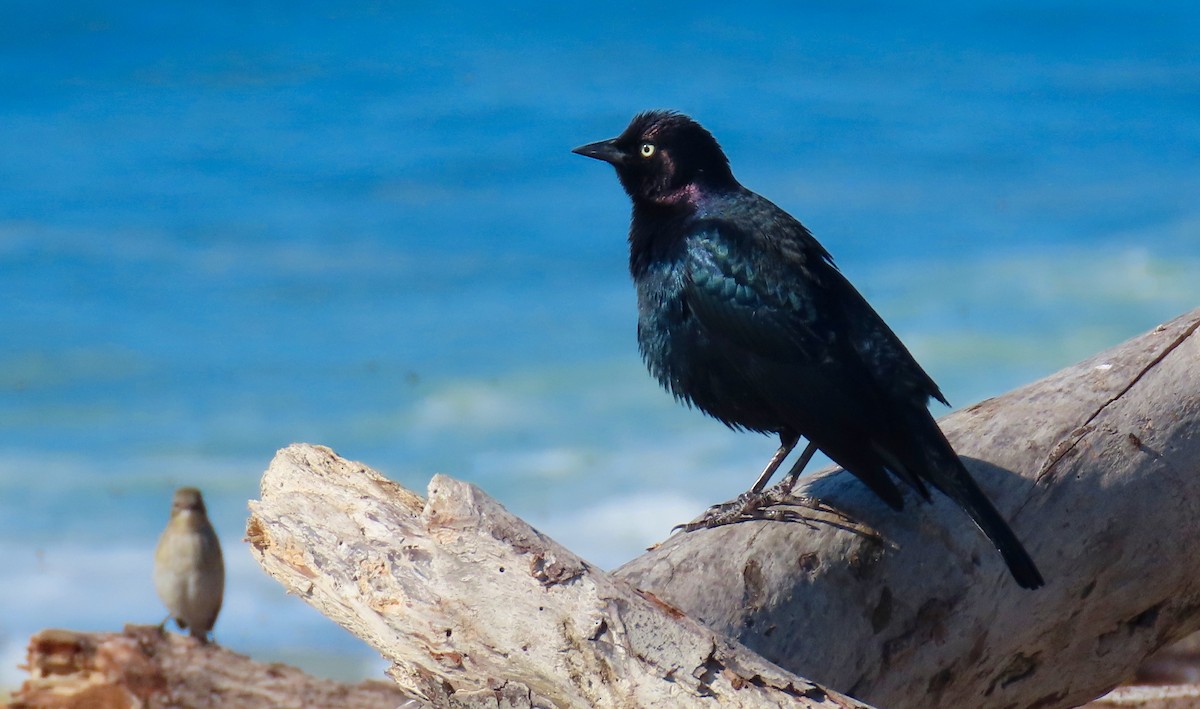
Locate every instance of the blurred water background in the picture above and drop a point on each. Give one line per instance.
(225, 227)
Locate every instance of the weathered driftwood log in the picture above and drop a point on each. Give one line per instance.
(476, 608)
(1098, 469)
(1095, 467)
(145, 667)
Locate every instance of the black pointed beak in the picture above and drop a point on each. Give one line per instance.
(605, 150)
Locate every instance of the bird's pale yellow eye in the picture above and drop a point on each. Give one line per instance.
(647, 150)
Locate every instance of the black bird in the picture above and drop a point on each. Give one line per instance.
(742, 313)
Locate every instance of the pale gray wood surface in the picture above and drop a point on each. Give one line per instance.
(1097, 467)
(476, 608)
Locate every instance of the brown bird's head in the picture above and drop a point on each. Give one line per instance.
(187, 499)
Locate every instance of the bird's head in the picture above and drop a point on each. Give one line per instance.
(664, 157)
(187, 499)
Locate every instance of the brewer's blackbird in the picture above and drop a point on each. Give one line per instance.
(742, 313)
(189, 572)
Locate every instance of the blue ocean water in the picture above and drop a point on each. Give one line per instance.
(227, 227)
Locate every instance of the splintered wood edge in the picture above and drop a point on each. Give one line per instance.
(294, 470)
(397, 570)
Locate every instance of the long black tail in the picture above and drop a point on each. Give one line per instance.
(967, 494)
(945, 471)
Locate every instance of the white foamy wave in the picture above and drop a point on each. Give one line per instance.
(558, 462)
(472, 406)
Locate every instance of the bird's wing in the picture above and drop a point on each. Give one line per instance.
(734, 310)
(880, 350)
(784, 300)
(742, 298)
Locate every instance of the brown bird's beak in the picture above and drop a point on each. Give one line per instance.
(605, 150)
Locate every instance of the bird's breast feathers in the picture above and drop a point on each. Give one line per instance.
(707, 315)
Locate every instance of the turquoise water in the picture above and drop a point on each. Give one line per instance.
(227, 228)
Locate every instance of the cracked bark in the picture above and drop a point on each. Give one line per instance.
(477, 609)
(1096, 467)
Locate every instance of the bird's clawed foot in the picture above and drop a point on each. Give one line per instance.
(764, 505)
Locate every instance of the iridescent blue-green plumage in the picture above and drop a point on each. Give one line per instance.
(742, 313)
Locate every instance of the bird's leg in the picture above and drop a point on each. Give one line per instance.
(789, 481)
(755, 501)
(752, 504)
(759, 503)
(786, 443)
(783, 493)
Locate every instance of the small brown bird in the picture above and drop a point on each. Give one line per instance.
(189, 573)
